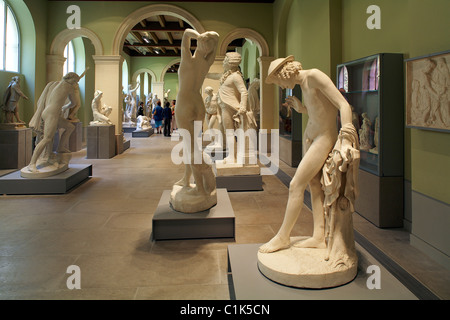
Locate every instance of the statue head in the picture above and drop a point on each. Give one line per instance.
(72, 78)
(283, 69)
(232, 60)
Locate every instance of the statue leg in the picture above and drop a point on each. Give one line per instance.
(317, 197)
(68, 129)
(308, 168)
(50, 128)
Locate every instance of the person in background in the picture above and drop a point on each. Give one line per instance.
(141, 109)
(158, 116)
(167, 114)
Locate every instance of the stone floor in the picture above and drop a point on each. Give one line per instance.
(104, 227)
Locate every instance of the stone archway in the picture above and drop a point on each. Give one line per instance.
(55, 59)
(267, 107)
(148, 11)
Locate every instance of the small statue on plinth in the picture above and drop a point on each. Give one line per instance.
(10, 104)
(100, 111)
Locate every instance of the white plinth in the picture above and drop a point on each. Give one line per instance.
(45, 170)
(304, 268)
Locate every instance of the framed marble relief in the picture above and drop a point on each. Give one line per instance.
(428, 92)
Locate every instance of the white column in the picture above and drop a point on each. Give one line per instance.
(108, 79)
(216, 67)
(158, 89)
(55, 67)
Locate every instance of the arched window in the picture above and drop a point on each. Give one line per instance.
(69, 54)
(9, 39)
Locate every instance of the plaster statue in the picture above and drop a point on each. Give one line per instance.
(143, 123)
(166, 96)
(148, 105)
(253, 100)
(212, 111)
(186, 197)
(330, 167)
(11, 100)
(100, 111)
(47, 119)
(71, 113)
(364, 133)
(155, 101)
(233, 100)
(376, 136)
(130, 100)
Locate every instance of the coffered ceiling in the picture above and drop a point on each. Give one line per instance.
(160, 36)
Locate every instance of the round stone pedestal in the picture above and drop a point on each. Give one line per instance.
(304, 268)
(58, 164)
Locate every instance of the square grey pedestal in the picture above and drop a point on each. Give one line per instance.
(128, 129)
(13, 183)
(248, 283)
(217, 222)
(240, 183)
(16, 148)
(76, 138)
(142, 133)
(101, 142)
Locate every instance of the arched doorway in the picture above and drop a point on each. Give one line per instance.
(267, 108)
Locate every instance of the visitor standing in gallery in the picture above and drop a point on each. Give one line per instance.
(167, 113)
(158, 116)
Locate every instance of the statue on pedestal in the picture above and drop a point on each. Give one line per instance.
(330, 168)
(148, 105)
(212, 112)
(47, 119)
(190, 108)
(233, 101)
(130, 109)
(11, 100)
(100, 111)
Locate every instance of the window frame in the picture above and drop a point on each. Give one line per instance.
(5, 32)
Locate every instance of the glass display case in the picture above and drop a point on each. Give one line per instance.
(373, 86)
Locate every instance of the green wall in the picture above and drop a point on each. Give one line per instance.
(323, 33)
(414, 28)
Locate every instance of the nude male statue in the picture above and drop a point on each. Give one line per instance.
(322, 101)
(49, 114)
(190, 106)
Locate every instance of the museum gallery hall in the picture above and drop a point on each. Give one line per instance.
(224, 150)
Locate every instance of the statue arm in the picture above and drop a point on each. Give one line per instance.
(322, 82)
(296, 104)
(186, 42)
(19, 92)
(240, 86)
(73, 100)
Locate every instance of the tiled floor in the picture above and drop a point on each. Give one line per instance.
(104, 225)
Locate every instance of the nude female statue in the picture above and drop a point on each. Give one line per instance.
(322, 101)
(190, 106)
